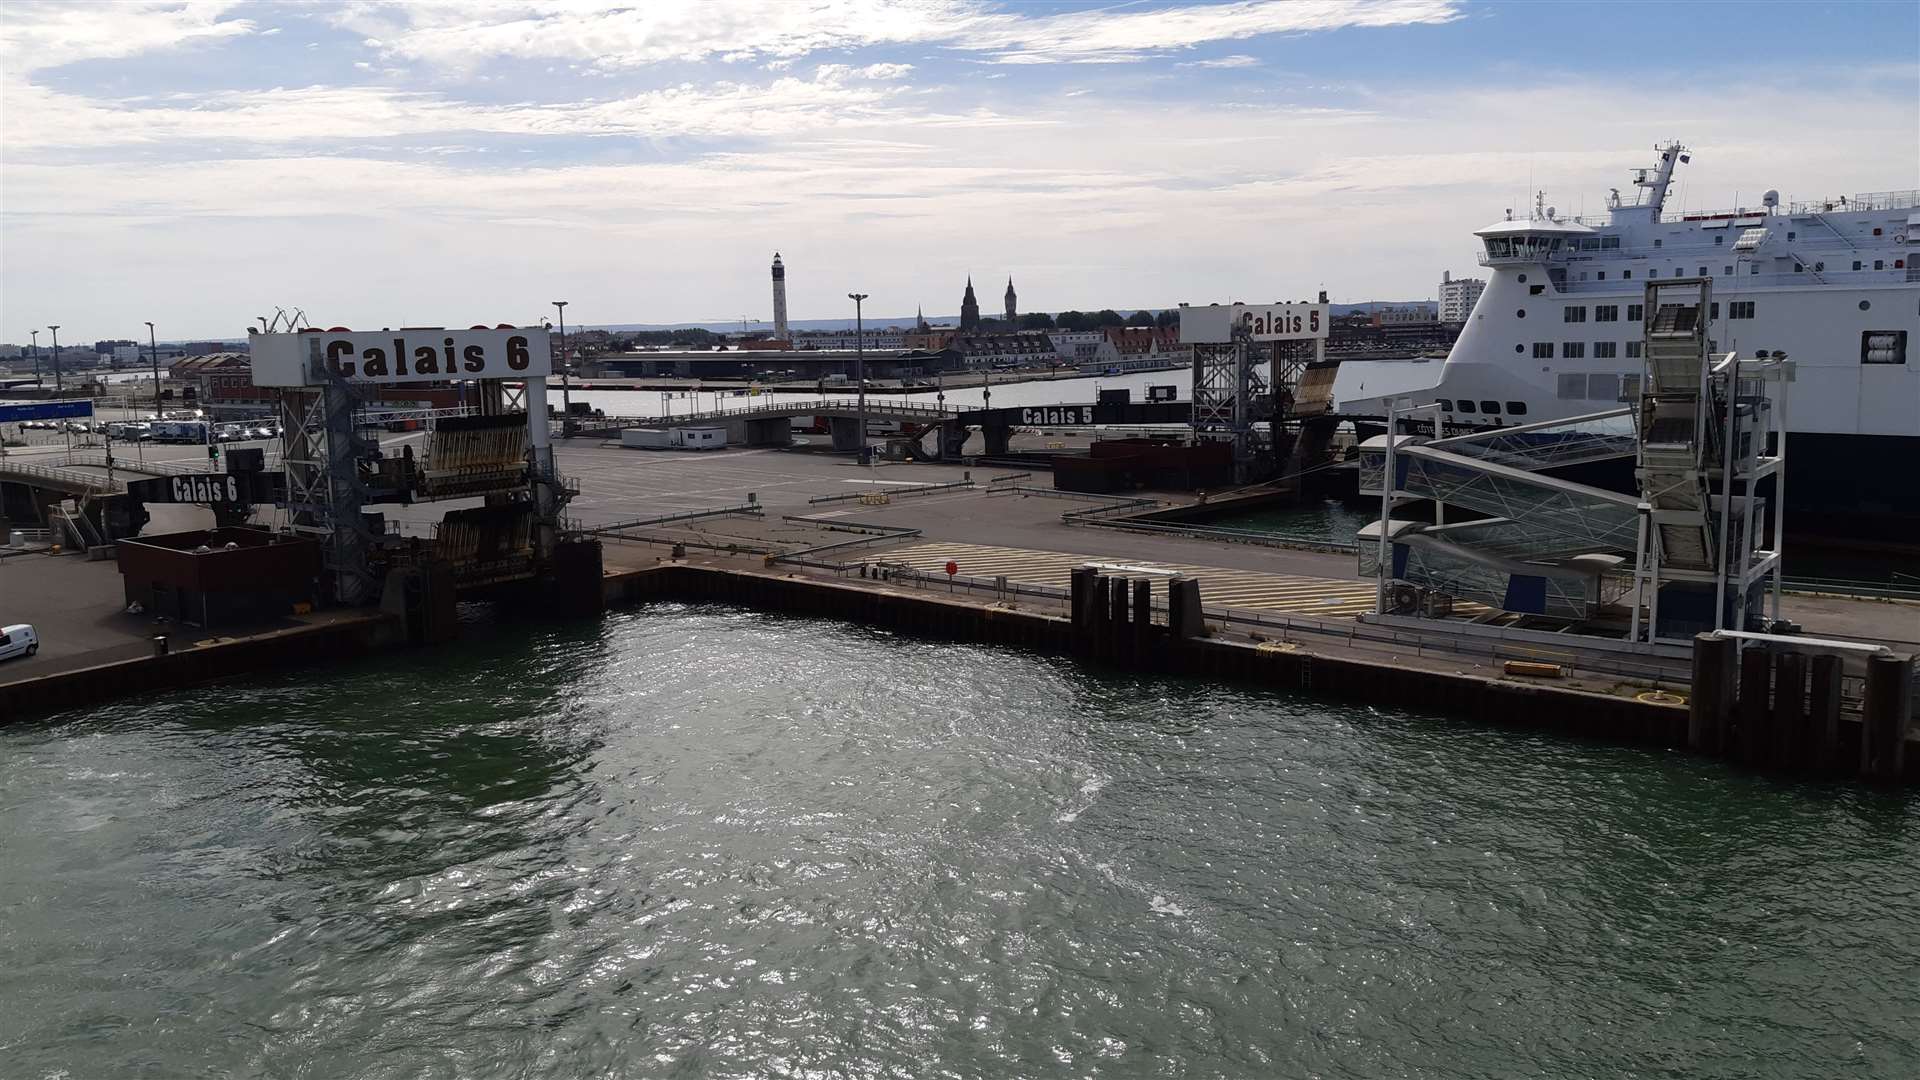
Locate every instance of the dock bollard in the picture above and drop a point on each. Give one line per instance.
(160, 645)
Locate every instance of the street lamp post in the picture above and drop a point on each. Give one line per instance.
(153, 353)
(860, 367)
(566, 387)
(36, 353)
(57, 384)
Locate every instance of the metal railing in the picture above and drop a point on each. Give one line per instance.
(905, 491)
(618, 527)
(1222, 534)
(66, 476)
(876, 409)
(1348, 631)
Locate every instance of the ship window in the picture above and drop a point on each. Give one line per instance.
(1519, 348)
(1798, 269)
(1523, 279)
(1755, 268)
(1650, 273)
(1876, 231)
(1445, 404)
(1573, 314)
(1573, 350)
(1703, 271)
(1740, 309)
(1543, 350)
(1573, 387)
(1791, 234)
(1856, 264)
(1717, 238)
(1517, 408)
(1865, 304)
(1583, 275)
(1490, 407)
(1465, 406)
(1520, 313)
(1603, 275)
(1609, 243)
(1633, 350)
(1629, 387)
(1713, 311)
(1879, 264)
(1656, 243)
(1626, 273)
(1883, 347)
(1633, 312)
(1605, 350)
(1590, 243)
(1606, 313)
(1603, 387)
(1536, 290)
(1729, 269)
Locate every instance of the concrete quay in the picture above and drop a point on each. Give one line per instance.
(1276, 617)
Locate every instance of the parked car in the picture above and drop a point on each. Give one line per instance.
(18, 640)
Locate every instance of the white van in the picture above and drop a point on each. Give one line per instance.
(18, 640)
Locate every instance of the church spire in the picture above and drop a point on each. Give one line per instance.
(1013, 306)
(969, 309)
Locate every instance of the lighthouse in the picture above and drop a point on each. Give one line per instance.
(780, 300)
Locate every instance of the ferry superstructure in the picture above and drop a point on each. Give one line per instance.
(1834, 284)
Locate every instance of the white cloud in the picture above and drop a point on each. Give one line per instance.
(1236, 61)
(840, 98)
(1112, 36)
(456, 34)
(40, 35)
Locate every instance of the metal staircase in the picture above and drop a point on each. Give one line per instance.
(1683, 555)
(1680, 435)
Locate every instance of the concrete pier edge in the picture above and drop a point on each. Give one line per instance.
(1470, 697)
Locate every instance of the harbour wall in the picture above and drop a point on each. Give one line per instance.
(1353, 678)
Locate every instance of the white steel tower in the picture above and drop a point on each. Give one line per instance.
(780, 300)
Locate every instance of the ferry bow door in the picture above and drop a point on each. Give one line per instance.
(1889, 382)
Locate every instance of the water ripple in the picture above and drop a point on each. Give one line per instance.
(695, 841)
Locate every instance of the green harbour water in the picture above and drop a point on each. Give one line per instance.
(694, 841)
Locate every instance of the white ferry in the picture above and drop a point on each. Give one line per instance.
(1833, 284)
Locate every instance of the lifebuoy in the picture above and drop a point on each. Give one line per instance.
(1899, 238)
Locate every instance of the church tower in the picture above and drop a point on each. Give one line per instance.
(969, 309)
(1013, 312)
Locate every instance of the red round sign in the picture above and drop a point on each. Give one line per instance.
(952, 568)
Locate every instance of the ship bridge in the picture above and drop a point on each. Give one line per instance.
(1531, 241)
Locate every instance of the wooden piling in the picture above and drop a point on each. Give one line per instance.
(1755, 740)
(1081, 607)
(1886, 715)
(1789, 712)
(1715, 686)
(1823, 713)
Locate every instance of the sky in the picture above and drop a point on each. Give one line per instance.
(451, 162)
